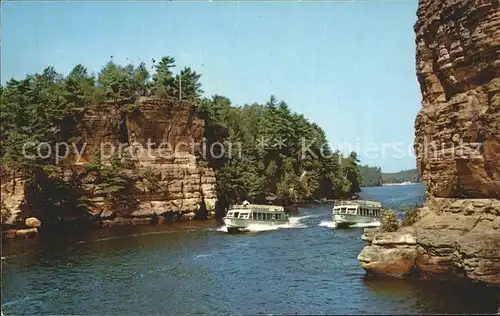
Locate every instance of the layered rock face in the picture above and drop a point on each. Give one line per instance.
(158, 142)
(457, 131)
(160, 145)
(457, 142)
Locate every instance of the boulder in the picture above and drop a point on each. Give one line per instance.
(397, 262)
(32, 222)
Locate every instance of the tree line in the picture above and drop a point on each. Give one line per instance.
(34, 110)
(373, 176)
(277, 169)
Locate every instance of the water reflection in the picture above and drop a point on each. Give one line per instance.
(438, 296)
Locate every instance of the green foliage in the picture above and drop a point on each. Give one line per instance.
(140, 80)
(130, 108)
(108, 177)
(188, 83)
(389, 221)
(263, 156)
(410, 215)
(267, 170)
(401, 176)
(163, 79)
(370, 176)
(32, 110)
(79, 87)
(149, 181)
(353, 175)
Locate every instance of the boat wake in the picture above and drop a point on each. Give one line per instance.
(364, 225)
(222, 229)
(331, 224)
(294, 222)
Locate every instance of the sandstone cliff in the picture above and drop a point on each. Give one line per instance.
(169, 180)
(457, 142)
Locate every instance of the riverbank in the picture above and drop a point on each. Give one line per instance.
(194, 267)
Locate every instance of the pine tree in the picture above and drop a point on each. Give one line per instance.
(163, 79)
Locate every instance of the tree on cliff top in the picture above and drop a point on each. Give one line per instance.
(266, 161)
(79, 87)
(114, 82)
(32, 110)
(188, 83)
(163, 79)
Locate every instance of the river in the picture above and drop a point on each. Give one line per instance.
(196, 268)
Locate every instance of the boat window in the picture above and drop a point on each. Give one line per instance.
(230, 214)
(236, 214)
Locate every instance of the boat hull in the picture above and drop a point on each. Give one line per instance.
(238, 224)
(348, 220)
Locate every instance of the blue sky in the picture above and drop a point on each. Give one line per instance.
(348, 66)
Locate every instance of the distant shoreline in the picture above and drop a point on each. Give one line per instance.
(400, 183)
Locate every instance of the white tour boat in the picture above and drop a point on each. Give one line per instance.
(239, 217)
(346, 213)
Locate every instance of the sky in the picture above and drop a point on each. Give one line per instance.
(349, 66)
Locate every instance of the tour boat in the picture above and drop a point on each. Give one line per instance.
(239, 217)
(346, 213)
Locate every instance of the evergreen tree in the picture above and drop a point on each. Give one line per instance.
(115, 82)
(79, 87)
(187, 85)
(163, 79)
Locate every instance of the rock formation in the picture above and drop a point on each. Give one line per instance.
(457, 143)
(167, 180)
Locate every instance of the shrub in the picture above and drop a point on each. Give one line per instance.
(130, 108)
(389, 221)
(410, 215)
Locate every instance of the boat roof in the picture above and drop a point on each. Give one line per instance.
(357, 203)
(258, 207)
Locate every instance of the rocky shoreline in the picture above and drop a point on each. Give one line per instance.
(457, 142)
(166, 186)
